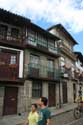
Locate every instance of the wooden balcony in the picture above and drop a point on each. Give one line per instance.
(67, 51)
(11, 41)
(8, 72)
(36, 44)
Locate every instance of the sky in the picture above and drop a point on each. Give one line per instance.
(46, 13)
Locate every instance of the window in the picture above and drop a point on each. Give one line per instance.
(32, 38)
(62, 61)
(42, 41)
(36, 89)
(14, 33)
(51, 44)
(62, 64)
(34, 60)
(55, 44)
(3, 31)
(13, 59)
(50, 65)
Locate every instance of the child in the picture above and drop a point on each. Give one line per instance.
(33, 116)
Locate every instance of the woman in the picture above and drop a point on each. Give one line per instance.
(33, 116)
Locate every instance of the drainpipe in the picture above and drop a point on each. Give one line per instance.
(60, 94)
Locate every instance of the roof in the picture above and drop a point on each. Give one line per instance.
(79, 56)
(60, 26)
(43, 31)
(11, 18)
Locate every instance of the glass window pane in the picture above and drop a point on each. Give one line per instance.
(13, 59)
(36, 89)
(50, 65)
(34, 59)
(42, 41)
(14, 32)
(3, 30)
(62, 60)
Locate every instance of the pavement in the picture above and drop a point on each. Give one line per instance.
(76, 122)
(67, 118)
(18, 120)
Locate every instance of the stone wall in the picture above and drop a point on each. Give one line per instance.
(70, 91)
(24, 97)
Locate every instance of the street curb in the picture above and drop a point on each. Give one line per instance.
(62, 112)
(54, 113)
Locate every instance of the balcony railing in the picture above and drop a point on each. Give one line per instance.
(42, 46)
(71, 74)
(66, 73)
(9, 72)
(10, 40)
(67, 50)
(39, 71)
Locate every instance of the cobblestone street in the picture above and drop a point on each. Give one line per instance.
(63, 116)
(67, 119)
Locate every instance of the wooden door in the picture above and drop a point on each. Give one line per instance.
(64, 88)
(10, 100)
(74, 92)
(51, 95)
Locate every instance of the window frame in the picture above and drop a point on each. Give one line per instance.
(13, 59)
(51, 44)
(36, 89)
(35, 64)
(50, 67)
(13, 31)
(3, 33)
(37, 57)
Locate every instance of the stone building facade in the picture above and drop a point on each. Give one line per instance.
(42, 64)
(69, 81)
(41, 69)
(12, 32)
(79, 71)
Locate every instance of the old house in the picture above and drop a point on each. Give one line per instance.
(12, 34)
(67, 63)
